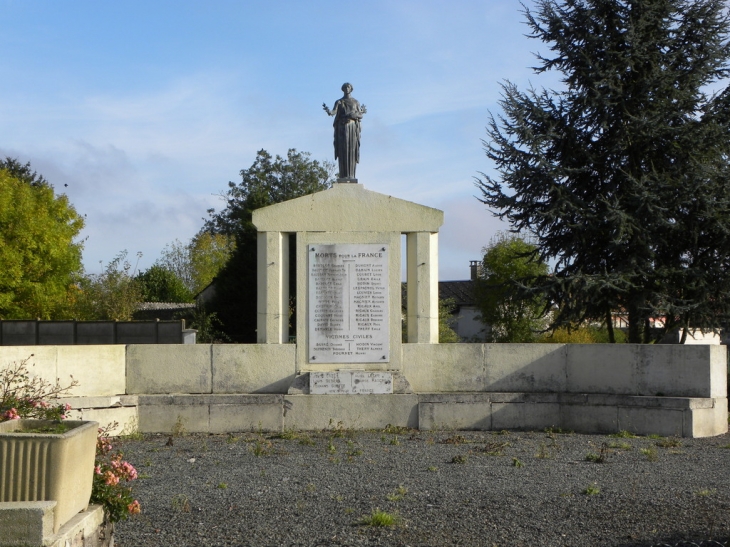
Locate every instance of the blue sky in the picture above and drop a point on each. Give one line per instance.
(147, 109)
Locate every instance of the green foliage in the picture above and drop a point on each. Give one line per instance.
(39, 260)
(269, 180)
(380, 518)
(447, 334)
(509, 265)
(158, 284)
(621, 175)
(581, 335)
(110, 487)
(110, 296)
(198, 262)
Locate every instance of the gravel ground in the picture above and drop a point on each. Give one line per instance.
(443, 488)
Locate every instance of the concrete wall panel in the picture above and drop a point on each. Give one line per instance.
(42, 364)
(589, 419)
(309, 412)
(610, 370)
(444, 367)
(100, 370)
(676, 370)
(526, 367)
(180, 368)
(466, 416)
(253, 368)
(525, 415)
(232, 418)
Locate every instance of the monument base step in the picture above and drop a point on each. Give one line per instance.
(30, 524)
(584, 413)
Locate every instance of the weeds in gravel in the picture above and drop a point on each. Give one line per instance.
(500, 432)
(180, 503)
(262, 447)
(592, 490)
(517, 463)
(331, 448)
(600, 457)
(433, 468)
(650, 453)
(395, 430)
(349, 510)
(306, 440)
(455, 440)
(553, 431)
(619, 445)
(352, 450)
(222, 485)
(670, 442)
(494, 449)
(131, 431)
(705, 492)
(287, 435)
(230, 438)
(623, 434)
(460, 458)
(380, 518)
(543, 453)
(394, 441)
(398, 494)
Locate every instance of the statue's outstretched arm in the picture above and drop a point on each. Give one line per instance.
(326, 109)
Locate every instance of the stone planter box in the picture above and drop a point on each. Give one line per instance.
(48, 466)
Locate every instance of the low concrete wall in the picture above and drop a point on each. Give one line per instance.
(100, 370)
(221, 388)
(620, 369)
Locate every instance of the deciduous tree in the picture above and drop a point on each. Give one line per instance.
(269, 180)
(40, 257)
(510, 264)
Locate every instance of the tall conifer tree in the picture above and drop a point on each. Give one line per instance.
(621, 175)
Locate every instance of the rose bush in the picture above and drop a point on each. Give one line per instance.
(26, 396)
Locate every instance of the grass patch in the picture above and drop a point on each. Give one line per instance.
(262, 447)
(380, 519)
(180, 503)
(592, 490)
(460, 458)
(619, 445)
(705, 492)
(517, 463)
(398, 494)
(670, 442)
(623, 434)
(650, 453)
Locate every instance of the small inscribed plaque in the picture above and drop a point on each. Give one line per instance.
(350, 383)
(348, 303)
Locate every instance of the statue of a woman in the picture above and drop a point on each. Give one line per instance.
(348, 113)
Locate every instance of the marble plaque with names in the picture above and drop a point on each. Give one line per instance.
(348, 303)
(347, 382)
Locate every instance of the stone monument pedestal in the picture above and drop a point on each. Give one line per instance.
(348, 285)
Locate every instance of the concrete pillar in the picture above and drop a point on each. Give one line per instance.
(272, 300)
(423, 289)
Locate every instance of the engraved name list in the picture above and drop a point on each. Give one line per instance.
(348, 303)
